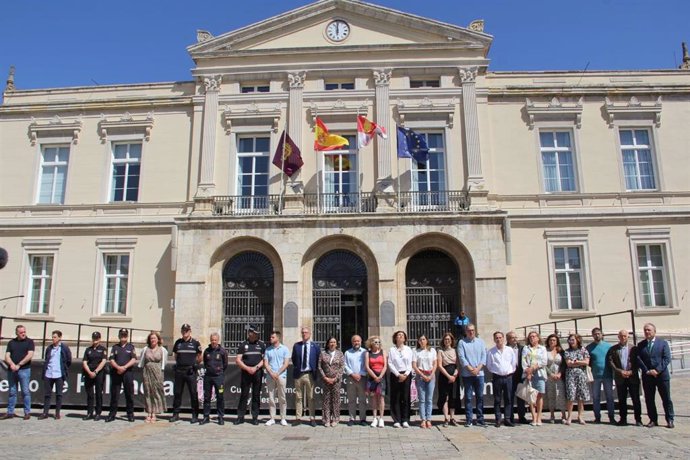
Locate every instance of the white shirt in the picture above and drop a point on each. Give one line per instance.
(425, 359)
(400, 361)
(501, 362)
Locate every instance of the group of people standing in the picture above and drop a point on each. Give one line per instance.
(551, 376)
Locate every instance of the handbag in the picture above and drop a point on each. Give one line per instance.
(590, 376)
(526, 392)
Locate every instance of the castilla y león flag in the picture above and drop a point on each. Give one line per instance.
(366, 130)
(287, 156)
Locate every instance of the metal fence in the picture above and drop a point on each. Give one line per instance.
(339, 203)
(237, 205)
(577, 325)
(435, 201)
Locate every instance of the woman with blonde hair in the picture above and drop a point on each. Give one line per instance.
(375, 363)
(152, 363)
(534, 371)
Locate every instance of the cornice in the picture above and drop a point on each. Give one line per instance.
(55, 126)
(251, 112)
(96, 105)
(126, 122)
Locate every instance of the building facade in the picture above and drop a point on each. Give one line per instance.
(546, 195)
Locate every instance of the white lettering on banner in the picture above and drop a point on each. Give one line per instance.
(168, 388)
(4, 386)
(80, 383)
(65, 386)
(33, 386)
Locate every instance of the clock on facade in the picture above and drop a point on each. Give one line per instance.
(337, 30)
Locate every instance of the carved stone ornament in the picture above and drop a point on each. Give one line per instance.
(54, 127)
(633, 109)
(126, 123)
(468, 74)
(337, 107)
(9, 87)
(212, 83)
(425, 108)
(203, 35)
(554, 110)
(297, 79)
(268, 114)
(382, 77)
(477, 26)
(686, 58)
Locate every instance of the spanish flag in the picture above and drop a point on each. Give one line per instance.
(325, 141)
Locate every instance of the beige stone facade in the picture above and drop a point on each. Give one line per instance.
(542, 183)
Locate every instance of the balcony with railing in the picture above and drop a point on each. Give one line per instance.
(339, 203)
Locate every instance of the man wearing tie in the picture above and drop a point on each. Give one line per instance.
(622, 358)
(305, 355)
(653, 357)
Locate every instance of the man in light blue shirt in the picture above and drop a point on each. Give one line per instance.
(472, 355)
(601, 371)
(356, 373)
(276, 362)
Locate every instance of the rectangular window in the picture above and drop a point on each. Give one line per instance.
(557, 161)
(255, 89)
(40, 283)
(651, 268)
(340, 177)
(126, 170)
(569, 280)
(336, 86)
(253, 154)
(54, 161)
(425, 83)
(638, 163)
(429, 179)
(116, 272)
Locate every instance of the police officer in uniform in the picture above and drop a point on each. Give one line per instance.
(123, 357)
(250, 359)
(187, 355)
(94, 361)
(215, 363)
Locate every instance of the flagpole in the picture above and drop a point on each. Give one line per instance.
(318, 170)
(282, 173)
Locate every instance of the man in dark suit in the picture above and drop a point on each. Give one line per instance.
(511, 337)
(622, 358)
(305, 359)
(653, 357)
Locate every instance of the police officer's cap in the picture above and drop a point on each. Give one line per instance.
(186, 327)
(123, 333)
(252, 328)
(96, 335)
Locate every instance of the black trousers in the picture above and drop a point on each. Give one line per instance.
(448, 391)
(650, 385)
(48, 385)
(503, 390)
(624, 388)
(118, 381)
(520, 403)
(400, 398)
(91, 384)
(252, 382)
(185, 376)
(216, 382)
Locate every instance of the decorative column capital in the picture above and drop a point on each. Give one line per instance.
(382, 77)
(212, 83)
(468, 74)
(297, 79)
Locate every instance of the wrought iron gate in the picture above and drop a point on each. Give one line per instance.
(429, 312)
(327, 309)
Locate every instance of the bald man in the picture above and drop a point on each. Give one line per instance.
(356, 373)
(622, 357)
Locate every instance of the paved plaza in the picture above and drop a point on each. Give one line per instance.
(72, 438)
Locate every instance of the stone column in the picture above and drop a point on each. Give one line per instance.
(382, 79)
(207, 184)
(294, 129)
(475, 177)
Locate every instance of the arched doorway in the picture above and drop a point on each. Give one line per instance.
(247, 297)
(432, 293)
(339, 297)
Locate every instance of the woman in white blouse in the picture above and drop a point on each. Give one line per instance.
(534, 360)
(424, 365)
(400, 359)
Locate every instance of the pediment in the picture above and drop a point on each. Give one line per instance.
(371, 26)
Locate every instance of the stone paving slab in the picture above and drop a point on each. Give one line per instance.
(72, 438)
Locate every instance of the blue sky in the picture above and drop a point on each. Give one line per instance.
(78, 42)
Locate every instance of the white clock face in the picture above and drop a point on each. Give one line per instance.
(337, 30)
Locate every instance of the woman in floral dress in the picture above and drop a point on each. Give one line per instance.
(152, 362)
(576, 385)
(331, 366)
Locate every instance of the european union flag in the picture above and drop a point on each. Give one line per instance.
(412, 145)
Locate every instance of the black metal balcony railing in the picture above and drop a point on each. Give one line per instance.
(246, 205)
(339, 203)
(433, 201)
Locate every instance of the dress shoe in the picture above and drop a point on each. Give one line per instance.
(509, 423)
(497, 424)
(58, 416)
(88, 417)
(523, 421)
(297, 422)
(597, 420)
(255, 421)
(27, 416)
(43, 416)
(652, 424)
(481, 423)
(239, 421)
(221, 421)
(6, 416)
(130, 418)
(350, 422)
(110, 418)
(313, 423)
(638, 423)
(194, 419)
(204, 421)
(174, 418)
(670, 424)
